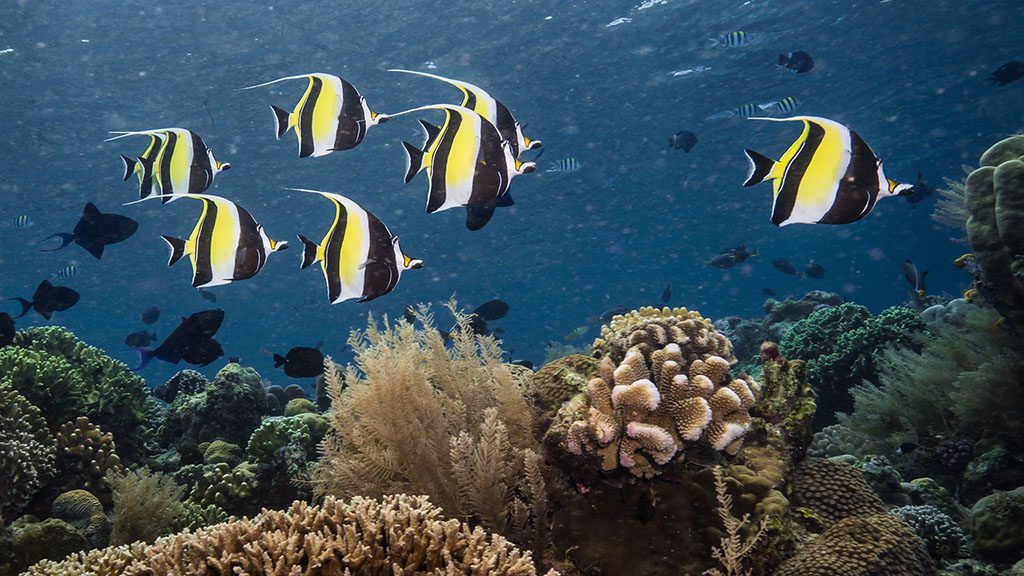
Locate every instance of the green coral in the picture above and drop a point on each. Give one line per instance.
(787, 399)
(84, 511)
(26, 451)
(282, 449)
(67, 378)
(559, 380)
(51, 539)
(840, 343)
(218, 484)
(220, 451)
(196, 516)
(997, 525)
(297, 406)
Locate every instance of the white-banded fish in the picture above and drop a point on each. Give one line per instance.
(22, 221)
(745, 111)
(734, 39)
(226, 245)
(569, 164)
(67, 272)
(829, 175)
(359, 255)
(183, 165)
(467, 163)
(143, 166)
(478, 100)
(782, 106)
(331, 115)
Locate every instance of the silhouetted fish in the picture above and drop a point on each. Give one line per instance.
(493, 310)
(768, 292)
(95, 231)
(607, 315)
(192, 341)
(301, 362)
(915, 278)
(666, 294)
(523, 363)
(207, 295)
(48, 299)
(919, 191)
(139, 339)
(6, 329)
(799, 61)
(1009, 72)
(815, 270)
(151, 314)
(785, 266)
(730, 257)
(683, 140)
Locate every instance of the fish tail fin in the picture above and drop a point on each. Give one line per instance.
(129, 167)
(177, 246)
(761, 167)
(145, 355)
(278, 360)
(65, 239)
(25, 307)
(281, 121)
(309, 250)
(414, 161)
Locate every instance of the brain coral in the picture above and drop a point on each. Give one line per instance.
(650, 329)
(833, 491)
(83, 511)
(26, 451)
(67, 378)
(400, 534)
(639, 414)
(559, 380)
(873, 545)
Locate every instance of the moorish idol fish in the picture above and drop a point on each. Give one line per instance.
(360, 257)
(95, 230)
(183, 165)
(143, 167)
(331, 115)
(226, 245)
(467, 163)
(829, 175)
(478, 100)
(48, 299)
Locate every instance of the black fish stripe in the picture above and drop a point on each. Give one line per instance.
(489, 175)
(306, 146)
(794, 175)
(200, 172)
(165, 166)
(203, 247)
(439, 162)
(332, 251)
(470, 100)
(858, 190)
(380, 275)
(351, 118)
(506, 125)
(250, 255)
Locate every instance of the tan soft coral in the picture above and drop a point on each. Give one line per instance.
(638, 414)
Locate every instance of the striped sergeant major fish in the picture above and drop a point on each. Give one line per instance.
(359, 256)
(733, 39)
(467, 163)
(67, 272)
(227, 244)
(745, 111)
(570, 164)
(331, 115)
(23, 221)
(143, 167)
(183, 165)
(829, 175)
(478, 100)
(783, 106)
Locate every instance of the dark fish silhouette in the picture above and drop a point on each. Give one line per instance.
(915, 278)
(493, 310)
(799, 61)
(301, 362)
(607, 315)
(95, 231)
(151, 314)
(768, 292)
(666, 294)
(6, 329)
(730, 257)
(192, 341)
(683, 140)
(785, 266)
(523, 363)
(207, 295)
(48, 299)
(1009, 72)
(919, 191)
(814, 270)
(139, 339)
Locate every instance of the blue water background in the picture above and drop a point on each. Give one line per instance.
(907, 75)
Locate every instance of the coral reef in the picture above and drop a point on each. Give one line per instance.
(833, 491)
(943, 539)
(85, 455)
(26, 451)
(50, 539)
(218, 484)
(67, 378)
(639, 414)
(840, 343)
(994, 469)
(84, 511)
(282, 450)
(146, 505)
(997, 525)
(838, 439)
(184, 382)
(786, 399)
(995, 226)
(734, 547)
(951, 208)
(297, 406)
(403, 534)
(649, 329)
(220, 451)
(872, 545)
(559, 380)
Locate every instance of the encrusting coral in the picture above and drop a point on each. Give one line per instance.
(84, 511)
(85, 455)
(399, 535)
(559, 380)
(26, 451)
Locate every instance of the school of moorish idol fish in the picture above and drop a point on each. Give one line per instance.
(829, 175)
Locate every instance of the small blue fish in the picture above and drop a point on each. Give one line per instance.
(67, 272)
(22, 221)
(576, 333)
(565, 165)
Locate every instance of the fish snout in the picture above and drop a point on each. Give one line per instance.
(379, 118)
(528, 167)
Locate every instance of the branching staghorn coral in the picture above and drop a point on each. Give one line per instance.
(146, 505)
(406, 399)
(399, 535)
